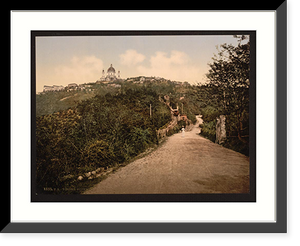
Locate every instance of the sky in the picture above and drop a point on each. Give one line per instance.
(61, 60)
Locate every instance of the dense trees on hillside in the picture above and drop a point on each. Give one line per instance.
(98, 132)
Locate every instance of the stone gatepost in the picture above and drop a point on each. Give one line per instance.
(220, 129)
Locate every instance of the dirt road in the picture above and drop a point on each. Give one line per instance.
(189, 164)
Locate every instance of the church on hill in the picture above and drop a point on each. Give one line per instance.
(110, 75)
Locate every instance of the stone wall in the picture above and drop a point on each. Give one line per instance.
(162, 133)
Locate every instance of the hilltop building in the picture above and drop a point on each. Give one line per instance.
(110, 75)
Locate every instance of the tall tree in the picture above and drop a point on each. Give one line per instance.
(229, 76)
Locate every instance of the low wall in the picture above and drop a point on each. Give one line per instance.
(162, 133)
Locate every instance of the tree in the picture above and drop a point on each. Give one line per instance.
(229, 76)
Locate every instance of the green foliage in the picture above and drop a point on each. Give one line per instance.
(50, 102)
(140, 139)
(228, 90)
(177, 128)
(99, 132)
(209, 130)
(209, 113)
(55, 133)
(96, 154)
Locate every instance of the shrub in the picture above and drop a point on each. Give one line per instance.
(209, 113)
(97, 153)
(209, 130)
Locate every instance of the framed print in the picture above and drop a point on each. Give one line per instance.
(137, 138)
(174, 124)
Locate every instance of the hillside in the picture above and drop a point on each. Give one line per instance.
(79, 132)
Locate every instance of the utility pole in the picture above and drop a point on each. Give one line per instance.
(150, 111)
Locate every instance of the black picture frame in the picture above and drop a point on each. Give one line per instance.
(280, 226)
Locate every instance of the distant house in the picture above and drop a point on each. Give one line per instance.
(72, 85)
(47, 88)
(53, 88)
(183, 117)
(82, 87)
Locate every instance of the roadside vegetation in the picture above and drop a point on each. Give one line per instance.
(227, 93)
(103, 131)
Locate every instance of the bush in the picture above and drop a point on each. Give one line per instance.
(96, 154)
(140, 139)
(210, 113)
(209, 130)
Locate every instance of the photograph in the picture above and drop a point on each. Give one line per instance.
(143, 116)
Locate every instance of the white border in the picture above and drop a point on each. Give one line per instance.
(24, 211)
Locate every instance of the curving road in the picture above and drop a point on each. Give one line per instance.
(189, 164)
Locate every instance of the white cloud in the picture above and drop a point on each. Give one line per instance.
(176, 66)
(80, 70)
(131, 58)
